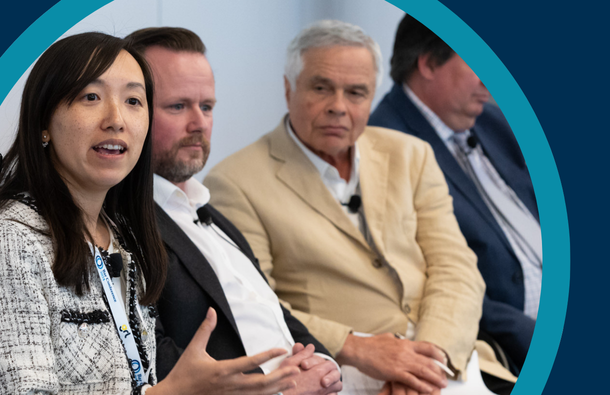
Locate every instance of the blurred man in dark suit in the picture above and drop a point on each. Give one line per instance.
(439, 99)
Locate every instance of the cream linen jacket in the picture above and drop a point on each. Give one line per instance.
(320, 263)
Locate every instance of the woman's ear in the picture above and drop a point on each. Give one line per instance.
(46, 137)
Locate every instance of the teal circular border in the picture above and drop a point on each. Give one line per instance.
(541, 164)
(39, 36)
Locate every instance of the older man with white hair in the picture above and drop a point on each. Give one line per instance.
(354, 225)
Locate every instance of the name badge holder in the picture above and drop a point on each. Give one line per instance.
(122, 323)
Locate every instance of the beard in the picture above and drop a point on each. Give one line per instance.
(167, 165)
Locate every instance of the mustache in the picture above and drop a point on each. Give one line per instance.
(191, 140)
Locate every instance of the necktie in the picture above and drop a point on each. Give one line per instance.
(518, 224)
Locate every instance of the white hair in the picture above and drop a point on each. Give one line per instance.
(329, 33)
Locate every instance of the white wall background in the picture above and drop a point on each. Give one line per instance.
(246, 42)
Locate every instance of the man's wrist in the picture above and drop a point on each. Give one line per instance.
(349, 353)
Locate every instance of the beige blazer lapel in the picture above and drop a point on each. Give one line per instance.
(374, 168)
(302, 177)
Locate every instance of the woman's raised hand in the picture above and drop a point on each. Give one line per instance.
(196, 372)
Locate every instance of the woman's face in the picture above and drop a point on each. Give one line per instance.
(96, 141)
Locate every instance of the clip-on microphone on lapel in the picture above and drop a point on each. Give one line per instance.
(115, 261)
(205, 217)
(354, 204)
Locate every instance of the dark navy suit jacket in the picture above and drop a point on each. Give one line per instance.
(191, 288)
(503, 316)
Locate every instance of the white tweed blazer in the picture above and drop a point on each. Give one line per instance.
(40, 352)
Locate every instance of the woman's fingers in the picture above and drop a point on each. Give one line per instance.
(245, 364)
(202, 336)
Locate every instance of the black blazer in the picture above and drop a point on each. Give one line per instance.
(503, 316)
(191, 288)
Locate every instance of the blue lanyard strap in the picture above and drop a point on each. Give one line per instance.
(121, 321)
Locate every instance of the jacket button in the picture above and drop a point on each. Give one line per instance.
(83, 329)
(377, 263)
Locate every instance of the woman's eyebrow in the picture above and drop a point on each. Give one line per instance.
(129, 85)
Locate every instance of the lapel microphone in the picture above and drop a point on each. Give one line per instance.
(115, 261)
(204, 216)
(472, 141)
(354, 204)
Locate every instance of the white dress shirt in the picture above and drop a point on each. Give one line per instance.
(254, 305)
(340, 189)
(519, 225)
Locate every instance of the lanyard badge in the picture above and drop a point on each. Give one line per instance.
(122, 323)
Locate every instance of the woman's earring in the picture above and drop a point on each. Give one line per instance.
(45, 144)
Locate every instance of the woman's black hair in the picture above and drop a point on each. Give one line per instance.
(61, 73)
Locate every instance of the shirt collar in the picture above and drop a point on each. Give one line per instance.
(443, 131)
(195, 194)
(324, 168)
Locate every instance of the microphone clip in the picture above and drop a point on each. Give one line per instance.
(205, 217)
(472, 141)
(354, 204)
(115, 264)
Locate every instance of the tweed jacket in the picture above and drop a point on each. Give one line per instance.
(40, 352)
(320, 263)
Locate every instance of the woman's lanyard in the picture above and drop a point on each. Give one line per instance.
(121, 321)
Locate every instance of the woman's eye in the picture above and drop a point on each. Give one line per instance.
(133, 101)
(91, 96)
